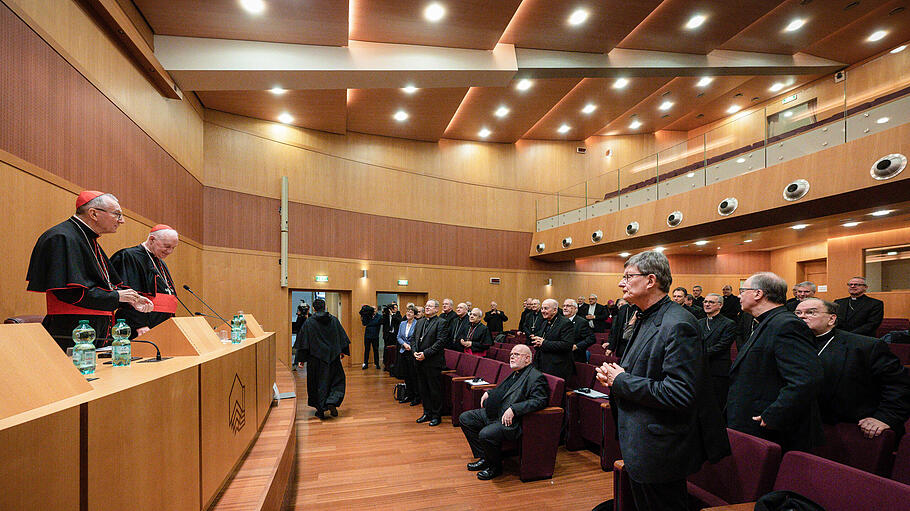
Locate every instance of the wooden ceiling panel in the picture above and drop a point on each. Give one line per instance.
(664, 29)
(283, 21)
(609, 103)
(543, 24)
(851, 45)
(322, 110)
(767, 35)
(429, 112)
(525, 108)
(476, 24)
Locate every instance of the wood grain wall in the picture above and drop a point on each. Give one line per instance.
(845, 260)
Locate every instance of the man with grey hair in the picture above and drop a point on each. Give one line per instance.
(532, 320)
(859, 313)
(458, 326)
(699, 300)
(801, 291)
(732, 307)
(476, 339)
(584, 336)
(718, 333)
(554, 339)
(494, 318)
(448, 312)
(667, 421)
(430, 336)
(69, 266)
(776, 377)
(596, 314)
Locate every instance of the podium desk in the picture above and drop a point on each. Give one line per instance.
(155, 436)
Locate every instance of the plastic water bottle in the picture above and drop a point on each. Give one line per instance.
(235, 330)
(241, 326)
(84, 349)
(121, 349)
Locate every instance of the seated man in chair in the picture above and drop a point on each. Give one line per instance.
(499, 417)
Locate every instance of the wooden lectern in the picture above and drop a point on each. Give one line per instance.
(179, 337)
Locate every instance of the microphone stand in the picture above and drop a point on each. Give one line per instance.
(203, 303)
(197, 313)
(106, 340)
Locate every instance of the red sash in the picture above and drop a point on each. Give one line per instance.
(55, 306)
(164, 302)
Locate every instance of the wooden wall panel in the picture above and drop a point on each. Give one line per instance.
(785, 262)
(845, 260)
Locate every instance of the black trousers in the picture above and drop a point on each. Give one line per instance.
(374, 343)
(670, 496)
(721, 386)
(406, 371)
(430, 388)
(485, 435)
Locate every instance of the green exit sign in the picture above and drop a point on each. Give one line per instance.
(322, 278)
(789, 99)
(402, 282)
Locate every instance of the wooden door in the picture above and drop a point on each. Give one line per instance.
(815, 271)
(418, 299)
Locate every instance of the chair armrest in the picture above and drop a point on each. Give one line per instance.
(447, 371)
(550, 410)
(462, 378)
(745, 506)
(483, 387)
(618, 465)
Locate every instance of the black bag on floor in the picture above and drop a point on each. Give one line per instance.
(399, 391)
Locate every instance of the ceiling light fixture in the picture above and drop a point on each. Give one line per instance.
(666, 105)
(624, 254)
(899, 49)
(741, 160)
(590, 107)
(501, 112)
(400, 116)
(564, 128)
(878, 35)
(851, 224)
(409, 89)
(799, 227)
(882, 120)
(696, 21)
(484, 133)
(788, 113)
(523, 84)
(776, 87)
(620, 83)
(276, 90)
(747, 241)
(253, 6)
(733, 109)
(635, 124)
(578, 17)
(795, 25)
(690, 174)
(659, 249)
(434, 12)
(882, 212)
(700, 243)
(285, 118)
(704, 81)
(891, 253)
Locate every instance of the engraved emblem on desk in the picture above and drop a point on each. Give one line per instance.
(237, 405)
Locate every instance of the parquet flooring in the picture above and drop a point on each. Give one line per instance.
(374, 456)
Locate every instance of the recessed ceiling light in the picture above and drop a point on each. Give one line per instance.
(620, 83)
(733, 109)
(799, 227)
(634, 125)
(276, 90)
(484, 133)
(776, 87)
(523, 84)
(741, 160)
(624, 254)
(501, 112)
(851, 224)
(899, 49)
(400, 116)
(701, 242)
(434, 12)
(578, 17)
(795, 25)
(882, 212)
(704, 81)
(690, 174)
(666, 105)
(659, 249)
(893, 252)
(747, 241)
(253, 6)
(564, 128)
(882, 120)
(409, 89)
(590, 107)
(788, 113)
(878, 35)
(695, 21)
(285, 118)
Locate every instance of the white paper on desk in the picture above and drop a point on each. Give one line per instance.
(472, 382)
(593, 394)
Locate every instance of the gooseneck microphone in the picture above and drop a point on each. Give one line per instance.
(203, 303)
(197, 313)
(181, 303)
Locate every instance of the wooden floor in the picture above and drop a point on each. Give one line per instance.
(374, 456)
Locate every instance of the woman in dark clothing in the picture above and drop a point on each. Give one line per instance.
(303, 312)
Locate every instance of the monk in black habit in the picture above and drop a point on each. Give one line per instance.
(70, 267)
(323, 343)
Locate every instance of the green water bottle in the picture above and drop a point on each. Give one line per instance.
(121, 349)
(84, 348)
(242, 325)
(235, 330)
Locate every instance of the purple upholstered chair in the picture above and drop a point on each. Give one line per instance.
(902, 351)
(596, 348)
(462, 395)
(744, 476)
(590, 421)
(464, 369)
(451, 357)
(583, 377)
(845, 443)
(901, 470)
(503, 355)
(540, 436)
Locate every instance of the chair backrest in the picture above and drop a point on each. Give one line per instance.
(488, 369)
(557, 389)
(491, 352)
(24, 318)
(892, 324)
(845, 443)
(837, 487)
(451, 357)
(601, 337)
(583, 377)
(504, 371)
(597, 360)
(901, 470)
(467, 364)
(600, 387)
(596, 349)
(745, 475)
(902, 351)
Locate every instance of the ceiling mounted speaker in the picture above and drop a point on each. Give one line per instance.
(597, 236)
(888, 166)
(796, 190)
(675, 218)
(632, 228)
(541, 247)
(567, 242)
(727, 206)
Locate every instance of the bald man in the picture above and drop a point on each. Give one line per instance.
(476, 339)
(554, 339)
(143, 268)
(69, 266)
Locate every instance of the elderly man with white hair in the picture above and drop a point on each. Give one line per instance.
(458, 327)
(476, 339)
(143, 268)
(554, 339)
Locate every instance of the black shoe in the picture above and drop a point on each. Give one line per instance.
(320, 414)
(377, 366)
(415, 402)
(436, 421)
(333, 410)
(403, 400)
(423, 418)
(477, 465)
(489, 473)
(364, 366)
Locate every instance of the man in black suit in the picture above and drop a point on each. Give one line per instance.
(533, 319)
(554, 340)
(865, 384)
(859, 313)
(718, 333)
(776, 377)
(430, 336)
(667, 421)
(690, 304)
(448, 312)
(679, 296)
(732, 307)
(596, 314)
(583, 335)
(621, 331)
(501, 410)
(699, 300)
(476, 335)
(525, 310)
(801, 291)
(391, 318)
(494, 318)
(458, 327)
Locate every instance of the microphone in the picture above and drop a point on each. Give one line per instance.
(181, 302)
(203, 303)
(197, 313)
(157, 352)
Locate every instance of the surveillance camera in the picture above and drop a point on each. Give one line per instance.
(888, 166)
(675, 218)
(541, 247)
(632, 228)
(597, 236)
(567, 242)
(727, 206)
(796, 190)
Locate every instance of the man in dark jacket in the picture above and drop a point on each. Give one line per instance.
(554, 340)
(865, 384)
(582, 333)
(776, 377)
(859, 313)
(458, 327)
(391, 318)
(494, 318)
(499, 417)
(533, 319)
(430, 339)
(732, 307)
(596, 314)
(668, 422)
(324, 343)
(373, 328)
(717, 332)
(476, 338)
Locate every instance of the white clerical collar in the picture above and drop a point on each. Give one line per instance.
(573, 317)
(81, 221)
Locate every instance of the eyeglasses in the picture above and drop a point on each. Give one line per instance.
(627, 276)
(117, 214)
(516, 354)
(715, 302)
(809, 313)
(748, 289)
(853, 284)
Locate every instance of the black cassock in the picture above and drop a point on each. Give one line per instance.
(148, 275)
(69, 266)
(322, 340)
